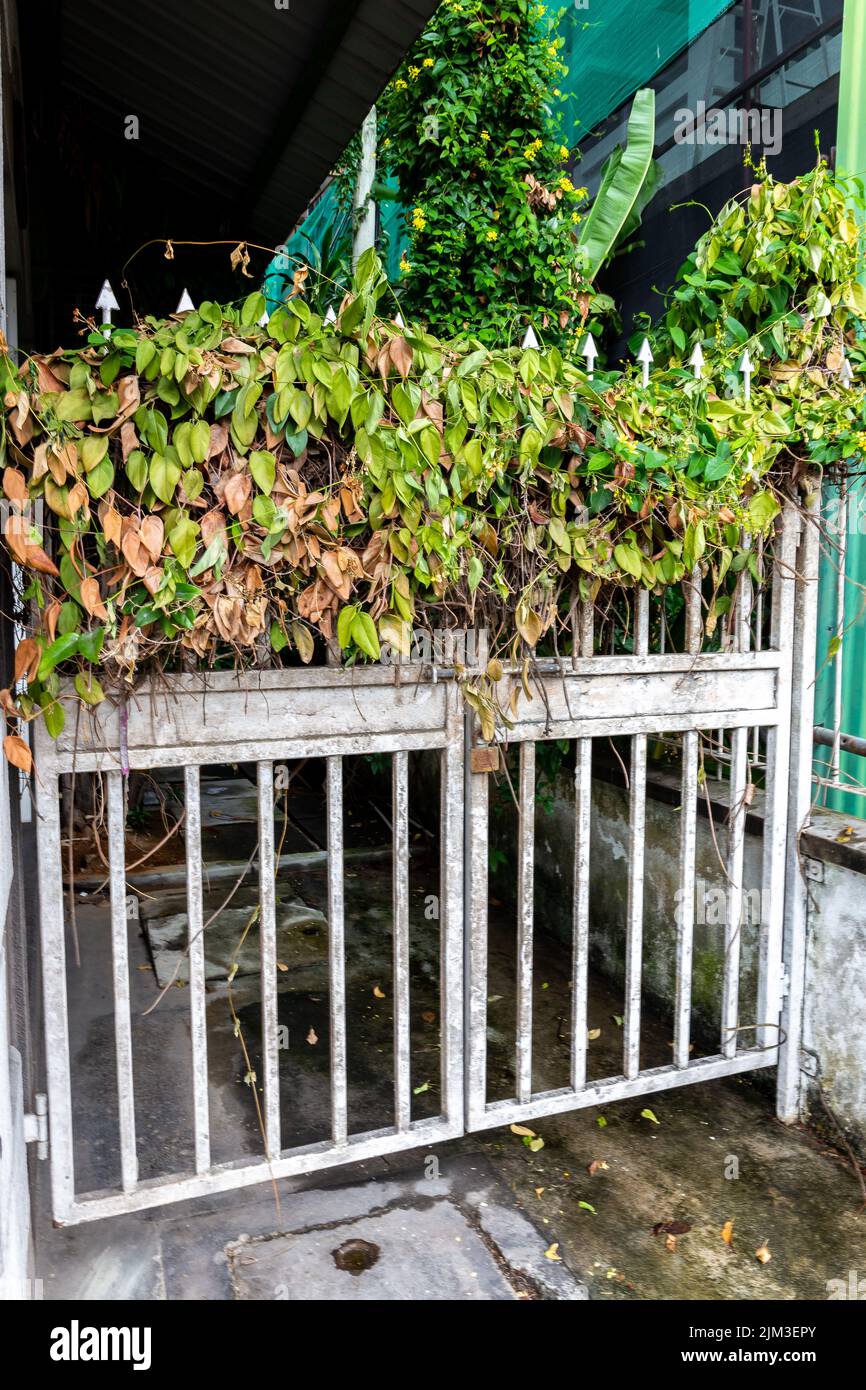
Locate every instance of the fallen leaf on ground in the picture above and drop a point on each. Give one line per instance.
(671, 1228)
(521, 1129)
(534, 1144)
(379, 993)
(587, 1206)
(598, 1165)
(539, 1191)
(845, 835)
(648, 1115)
(762, 1254)
(312, 1037)
(552, 1252)
(429, 1016)
(281, 965)
(419, 1090)
(670, 1243)
(593, 1034)
(601, 1121)
(728, 1233)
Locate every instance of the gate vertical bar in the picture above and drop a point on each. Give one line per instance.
(734, 892)
(476, 927)
(400, 887)
(268, 958)
(580, 909)
(452, 881)
(120, 975)
(195, 939)
(53, 946)
(770, 964)
(637, 846)
(336, 949)
(526, 865)
(799, 807)
(688, 840)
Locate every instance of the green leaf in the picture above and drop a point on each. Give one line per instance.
(164, 476)
(100, 478)
(88, 689)
(344, 625)
(621, 185)
(61, 649)
(263, 467)
(90, 643)
(763, 508)
(183, 539)
(364, 635)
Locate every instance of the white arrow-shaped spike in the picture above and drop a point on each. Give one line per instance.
(645, 357)
(590, 352)
(184, 304)
(529, 339)
(398, 320)
(696, 361)
(330, 316)
(746, 368)
(263, 321)
(106, 303)
(846, 376)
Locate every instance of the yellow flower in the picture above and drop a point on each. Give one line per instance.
(404, 264)
(428, 63)
(557, 92)
(399, 85)
(492, 234)
(565, 184)
(495, 215)
(563, 152)
(551, 48)
(582, 192)
(485, 135)
(413, 72)
(386, 142)
(576, 217)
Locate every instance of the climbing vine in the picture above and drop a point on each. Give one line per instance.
(469, 128)
(219, 491)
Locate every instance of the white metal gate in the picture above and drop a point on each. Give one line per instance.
(271, 717)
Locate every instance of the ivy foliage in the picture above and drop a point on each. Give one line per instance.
(221, 492)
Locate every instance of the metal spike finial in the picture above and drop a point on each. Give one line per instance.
(846, 376)
(529, 339)
(184, 304)
(398, 320)
(330, 316)
(106, 302)
(696, 361)
(590, 352)
(263, 321)
(645, 357)
(746, 368)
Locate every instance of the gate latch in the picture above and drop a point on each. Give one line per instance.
(36, 1126)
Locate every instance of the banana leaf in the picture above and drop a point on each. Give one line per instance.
(625, 175)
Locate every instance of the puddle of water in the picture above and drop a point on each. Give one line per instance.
(356, 1256)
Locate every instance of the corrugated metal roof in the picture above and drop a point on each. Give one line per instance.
(242, 109)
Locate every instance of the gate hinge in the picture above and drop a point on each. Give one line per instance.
(36, 1126)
